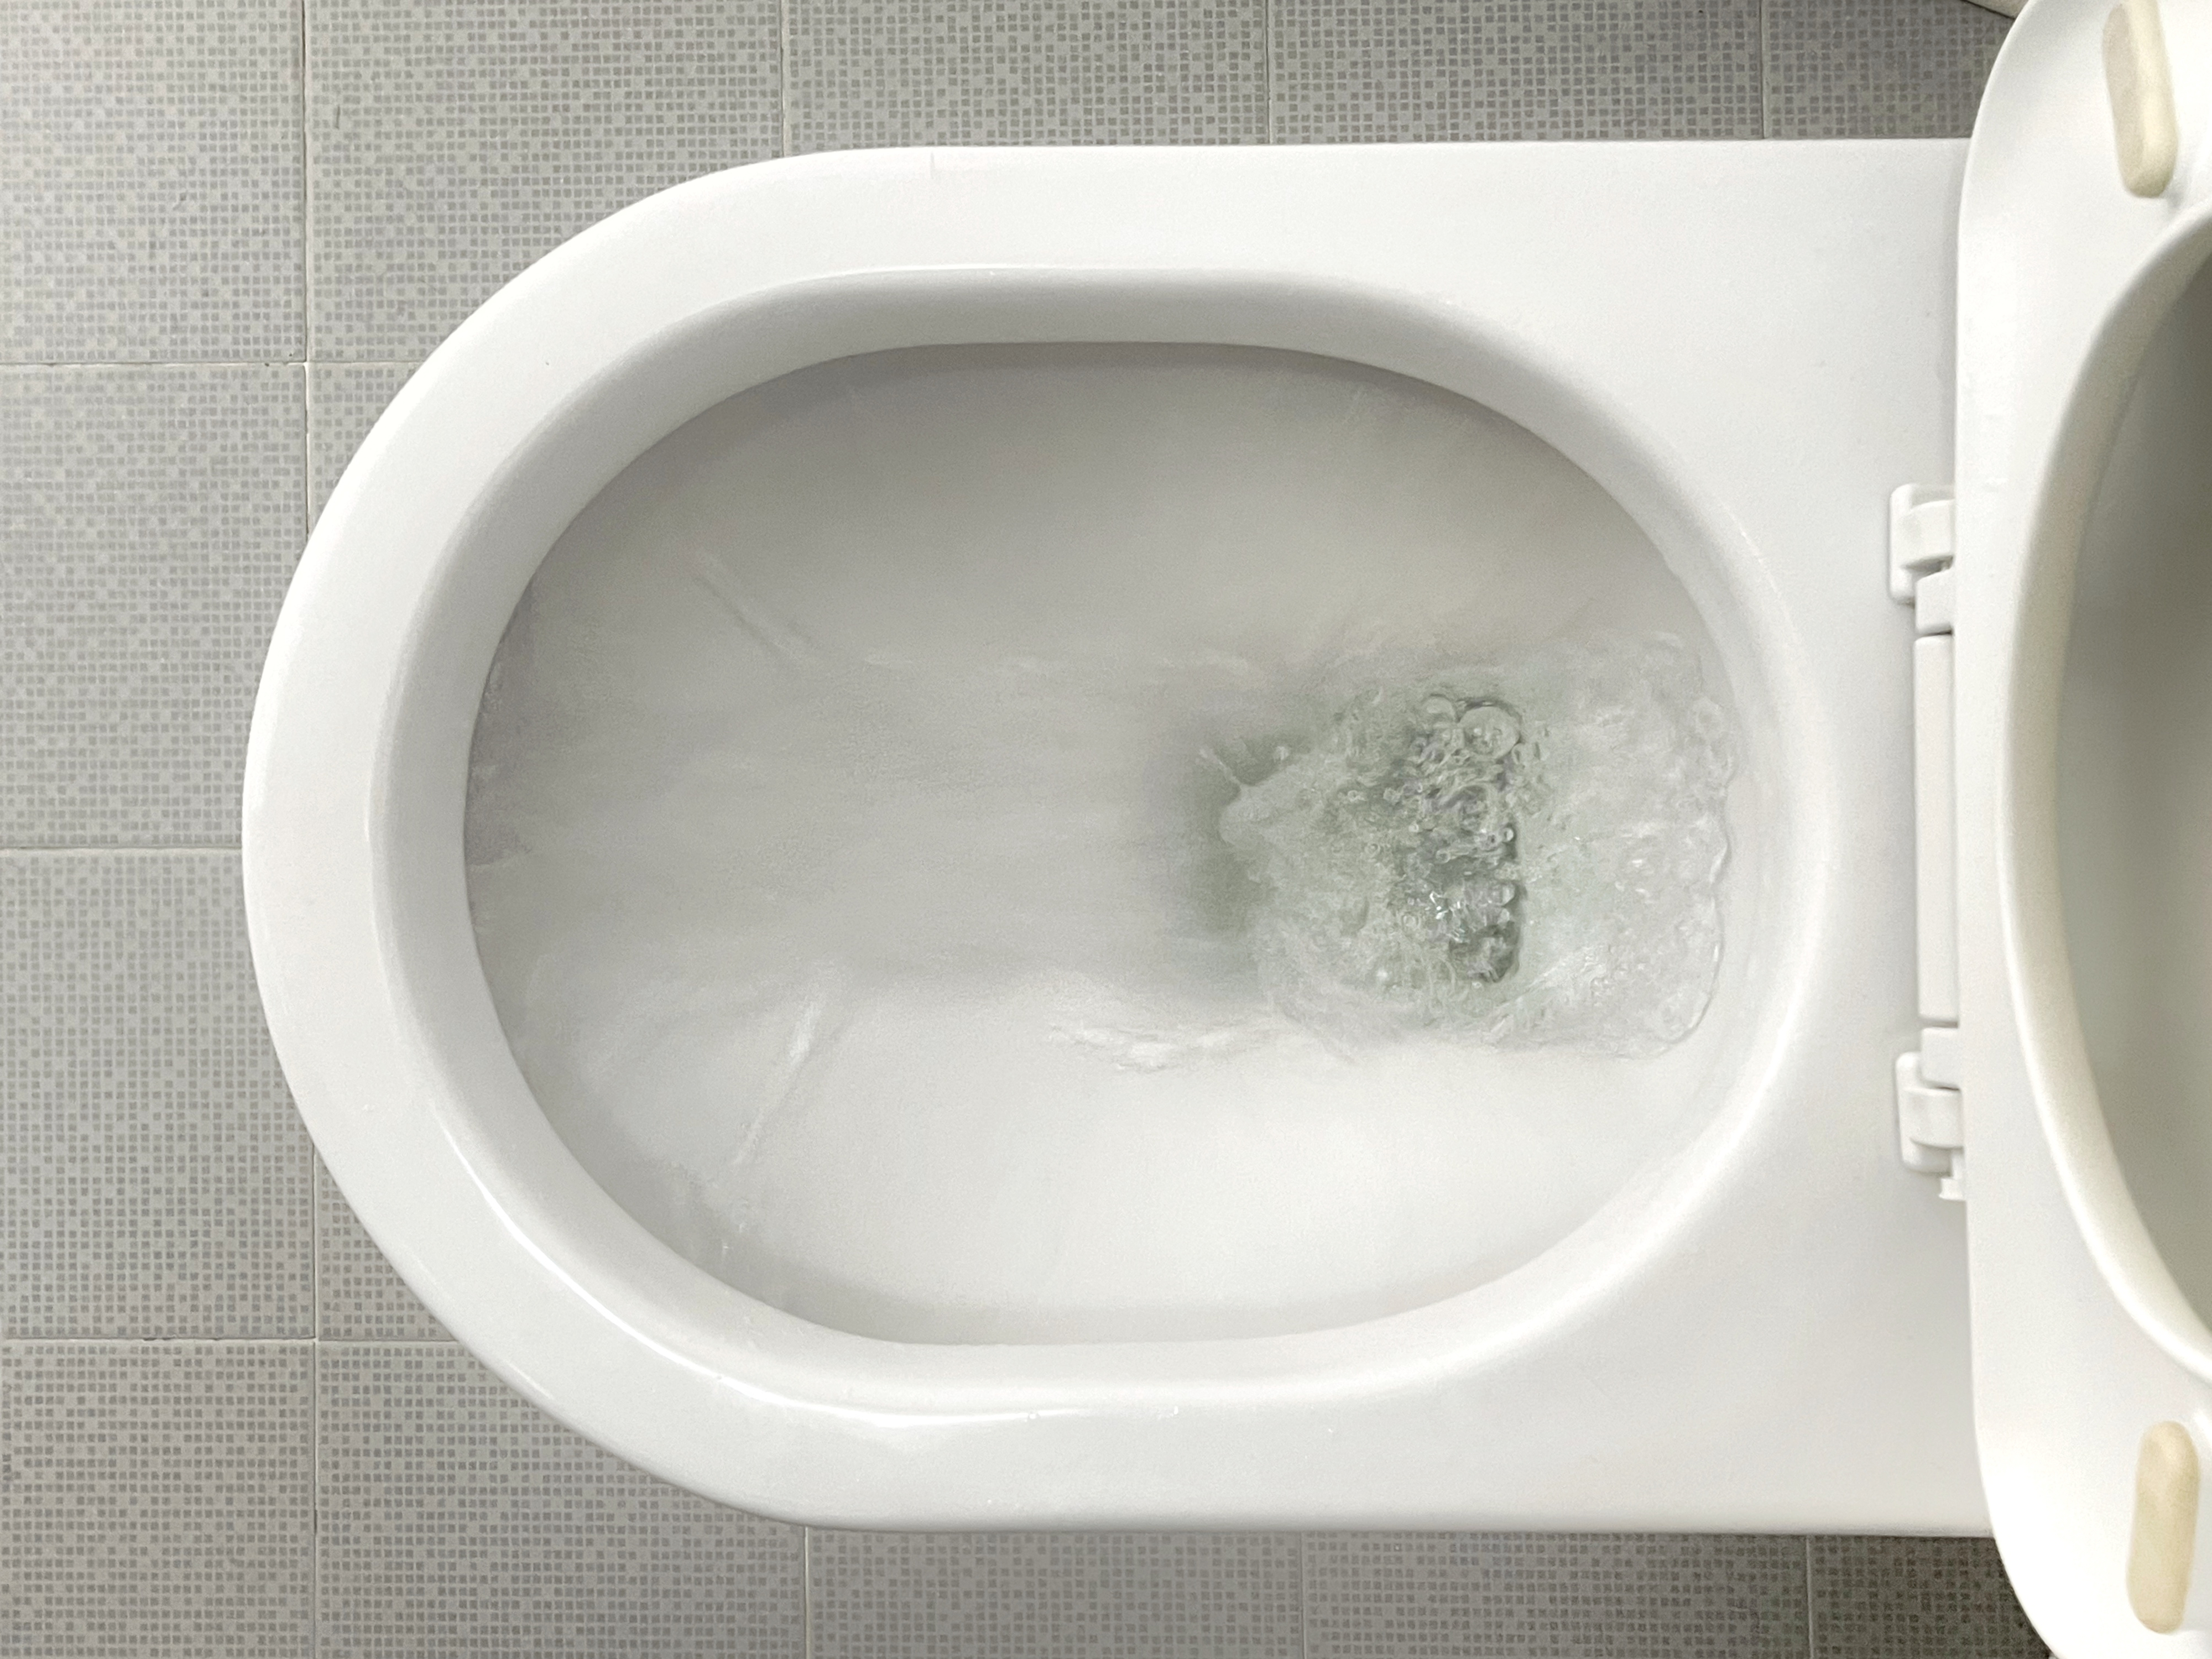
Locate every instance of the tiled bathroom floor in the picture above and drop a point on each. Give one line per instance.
(233, 226)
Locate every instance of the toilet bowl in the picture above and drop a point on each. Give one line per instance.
(855, 1371)
(860, 1147)
(897, 861)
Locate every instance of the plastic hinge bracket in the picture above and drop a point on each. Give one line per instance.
(1921, 536)
(1931, 1126)
(1930, 1110)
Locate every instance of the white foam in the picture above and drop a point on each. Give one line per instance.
(1554, 881)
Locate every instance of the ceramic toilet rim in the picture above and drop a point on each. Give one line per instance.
(904, 290)
(418, 491)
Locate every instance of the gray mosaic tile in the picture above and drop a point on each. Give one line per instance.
(450, 146)
(150, 161)
(1053, 1595)
(156, 1499)
(454, 1516)
(154, 1176)
(358, 1296)
(1430, 71)
(343, 400)
(1916, 1598)
(1430, 1596)
(876, 72)
(150, 519)
(1877, 69)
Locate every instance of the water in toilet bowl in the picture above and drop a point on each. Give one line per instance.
(1516, 851)
(913, 854)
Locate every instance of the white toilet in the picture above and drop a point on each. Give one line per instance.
(1076, 446)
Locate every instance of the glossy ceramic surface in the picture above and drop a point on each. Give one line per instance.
(1743, 346)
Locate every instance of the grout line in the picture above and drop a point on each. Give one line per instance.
(1765, 106)
(1811, 1649)
(442, 1343)
(1305, 1648)
(28, 365)
(315, 1404)
(390, 1342)
(806, 1593)
(315, 1230)
(315, 1410)
(314, 1496)
(306, 194)
(18, 1341)
(1267, 92)
(40, 364)
(783, 71)
(131, 848)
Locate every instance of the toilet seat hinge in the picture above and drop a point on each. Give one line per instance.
(1931, 1135)
(1931, 1118)
(1922, 538)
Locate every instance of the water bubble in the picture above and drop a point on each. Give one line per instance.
(1490, 729)
(1531, 848)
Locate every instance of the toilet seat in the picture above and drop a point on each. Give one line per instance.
(1748, 347)
(2082, 1339)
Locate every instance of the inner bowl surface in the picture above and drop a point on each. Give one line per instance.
(1010, 1074)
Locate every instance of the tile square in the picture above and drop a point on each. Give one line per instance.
(359, 1297)
(343, 400)
(1535, 1595)
(882, 72)
(154, 1176)
(1053, 1595)
(157, 1499)
(1371, 71)
(151, 164)
(456, 1518)
(449, 146)
(1916, 1598)
(1877, 69)
(149, 520)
